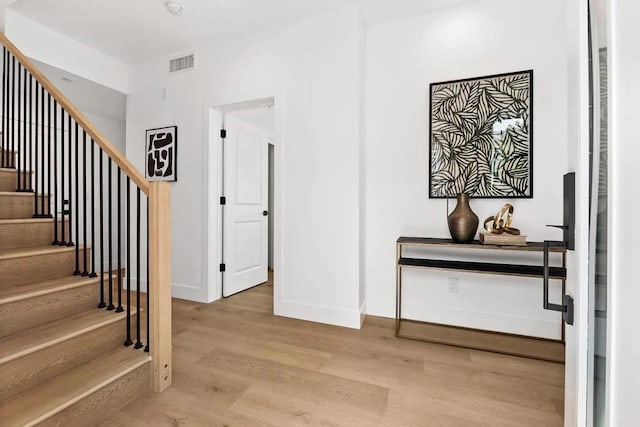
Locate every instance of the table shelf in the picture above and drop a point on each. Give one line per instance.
(535, 271)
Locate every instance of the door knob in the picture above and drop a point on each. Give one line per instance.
(265, 213)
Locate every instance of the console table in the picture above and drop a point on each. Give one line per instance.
(519, 345)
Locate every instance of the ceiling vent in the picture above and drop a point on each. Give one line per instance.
(182, 63)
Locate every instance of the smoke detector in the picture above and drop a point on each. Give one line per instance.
(174, 8)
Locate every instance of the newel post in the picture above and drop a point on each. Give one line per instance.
(160, 284)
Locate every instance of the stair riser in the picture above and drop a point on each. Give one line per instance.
(30, 234)
(25, 372)
(17, 271)
(20, 315)
(9, 180)
(16, 206)
(110, 398)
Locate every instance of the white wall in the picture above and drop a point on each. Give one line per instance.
(311, 68)
(403, 57)
(53, 48)
(362, 188)
(624, 208)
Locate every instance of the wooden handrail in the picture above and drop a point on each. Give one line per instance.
(111, 151)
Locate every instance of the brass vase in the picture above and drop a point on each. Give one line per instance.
(463, 223)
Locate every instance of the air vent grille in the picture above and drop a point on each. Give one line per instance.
(182, 63)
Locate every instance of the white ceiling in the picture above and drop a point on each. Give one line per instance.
(141, 29)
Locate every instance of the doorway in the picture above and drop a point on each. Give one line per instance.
(247, 194)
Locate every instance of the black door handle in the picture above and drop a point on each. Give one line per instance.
(265, 213)
(566, 308)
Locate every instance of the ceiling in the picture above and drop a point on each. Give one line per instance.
(133, 31)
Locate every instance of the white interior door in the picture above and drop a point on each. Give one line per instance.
(245, 240)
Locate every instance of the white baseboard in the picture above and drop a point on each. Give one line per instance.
(177, 290)
(363, 312)
(320, 314)
(541, 328)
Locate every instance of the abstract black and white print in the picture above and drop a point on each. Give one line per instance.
(161, 147)
(481, 140)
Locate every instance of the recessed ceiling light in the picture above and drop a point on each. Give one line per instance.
(66, 79)
(174, 8)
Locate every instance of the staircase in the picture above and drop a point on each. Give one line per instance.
(85, 308)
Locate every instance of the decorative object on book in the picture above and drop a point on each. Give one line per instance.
(161, 148)
(501, 223)
(463, 222)
(499, 231)
(481, 137)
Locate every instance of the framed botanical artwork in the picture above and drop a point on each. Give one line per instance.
(481, 137)
(161, 148)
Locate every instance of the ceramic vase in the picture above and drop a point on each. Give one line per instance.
(463, 222)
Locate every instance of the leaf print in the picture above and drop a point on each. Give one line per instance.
(480, 136)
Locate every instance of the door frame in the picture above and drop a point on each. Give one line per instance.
(577, 343)
(213, 119)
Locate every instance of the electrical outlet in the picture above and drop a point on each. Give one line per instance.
(453, 285)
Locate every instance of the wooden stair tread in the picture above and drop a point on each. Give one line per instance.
(20, 194)
(39, 337)
(28, 220)
(44, 400)
(13, 170)
(36, 251)
(13, 293)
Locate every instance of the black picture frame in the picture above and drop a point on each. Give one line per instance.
(463, 118)
(166, 154)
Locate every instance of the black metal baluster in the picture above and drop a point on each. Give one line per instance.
(42, 154)
(102, 303)
(77, 271)
(35, 149)
(148, 346)
(32, 130)
(93, 216)
(49, 156)
(119, 231)
(85, 270)
(22, 177)
(110, 306)
(12, 153)
(23, 153)
(63, 239)
(70, 179)
(20, 136)
(4, 105)
(138, 314)
(128, 341)
(19, 129)
(55, 173)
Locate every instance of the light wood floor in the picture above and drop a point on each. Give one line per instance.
(235, 364)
